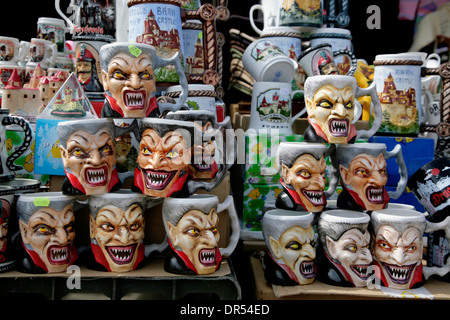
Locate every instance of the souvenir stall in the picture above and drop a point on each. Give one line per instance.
(170, 150)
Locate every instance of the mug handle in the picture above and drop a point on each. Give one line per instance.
(372, 91)
(53, 55)
(68, 21)
(26, 127)
(24, 48)
(228, 204)
(252, 23)
(427, 105)
(441, 271)
(334, 171)
(226, 123)
(348, 53)
(397, 152)
(174, 60)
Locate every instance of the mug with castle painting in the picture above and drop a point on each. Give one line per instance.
(398, 84)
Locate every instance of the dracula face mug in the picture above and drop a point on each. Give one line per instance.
(363, 172)
(192, 227)
(165, 152)
(291, 252)
(209, 157)
(271, 107)
(89, 155)
(344, 256)
(320, 60)
(332, 108)
(117, 229)
(302, 168)
(129, 80)
(266, 62)
(397, 248)
(6, 250)
(46, 223)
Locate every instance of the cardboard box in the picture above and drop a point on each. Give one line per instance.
(416, 153)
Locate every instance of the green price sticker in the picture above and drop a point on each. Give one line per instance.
(41, 202)
(135, 51)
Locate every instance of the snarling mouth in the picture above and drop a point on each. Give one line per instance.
(308, 269)
(58, 255)
(316, 197)
(134, 100)
(157, 180)
(96, 176)
(207, 257)
(375, 195)
(121, 254)
(361, 270)
(398, 274)
(202, 167)
(338, 127)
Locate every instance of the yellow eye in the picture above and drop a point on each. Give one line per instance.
(304, 174)
(193, 232)
(134, 227)
(146, 151)
(43, 230)
(78, 153)
(69, 228)
(294, 245)
(351, 248)
(146, 76)
(118, 75)
(324, 104)
(107, 227)
(172, 154)
(362, 172)
(214, 230)
(348, 105)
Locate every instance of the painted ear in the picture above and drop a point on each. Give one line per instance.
(309, 107)
(104, 78)
(92, 227)
(275, 248)
(172, 233)
(64, 156)
(331, 246)
(23, 231)
(285, 173)
(344, 173)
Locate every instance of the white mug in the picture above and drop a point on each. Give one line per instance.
(54, 30)
(271, 107)
(269, 9)
(42, 52)
(265, 61)
(12, 50)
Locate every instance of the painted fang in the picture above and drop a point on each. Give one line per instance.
(339, 127)
(135, 100)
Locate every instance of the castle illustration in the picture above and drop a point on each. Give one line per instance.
(166, 42)
(399, 106)
(195, 64)
(276, 107)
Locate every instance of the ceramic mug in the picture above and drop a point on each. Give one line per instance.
(165, 152)
(42, 52)
(47, 232)
(87, 67)
(121, 61)
(271, 107)
(117, 230)
(302, 168)
(431, 186)
(307, 15)
(397, 249)
(89, 156)
(266, 62)
(339, 39)
(209, 158)
(320, 60)
(12, 50)
(192, 228)
(6, 249)
(363, 172)
(270, 12)
(344, 256)
(200, 96)
(398, 82)
(291, 253)
(91, 21)
(332, 108)
(7, 69)
(52, 29)
(7, 166)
